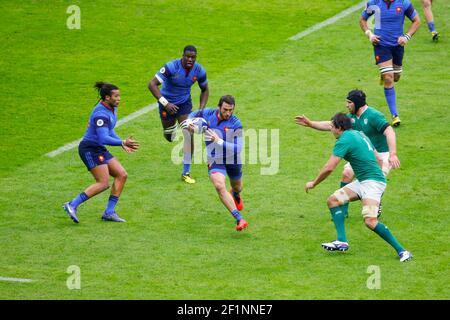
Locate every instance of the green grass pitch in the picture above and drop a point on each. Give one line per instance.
(179, 241)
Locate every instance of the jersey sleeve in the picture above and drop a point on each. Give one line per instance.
(234, 140)
(366, 13)
(341, 148)
(197, 114)
(105, 138)
(164, 73)
(410, 12)
(379, 122)
(202, 79)
(101, 121)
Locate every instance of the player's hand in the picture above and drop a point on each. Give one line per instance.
(211, 135)
(130, 145)
(394, 162)
(374, 39)
(303, 121)
(171, 108)
(309, 185)
(402, 41)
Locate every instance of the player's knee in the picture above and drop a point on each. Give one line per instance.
(332, 201)
(426, 3)
(370, 223)
(168, 137)
(103, 185)
(170, 133)
(388, 80)
(123, 175)
(347, 175)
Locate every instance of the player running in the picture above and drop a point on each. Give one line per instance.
(174, 99)
(389, 42)
(369, 187)
(223, 139)
(98, 160)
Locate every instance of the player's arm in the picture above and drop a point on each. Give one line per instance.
(392, 145)
(235, 146)
(318, 125)
(203, 84)
(327, 169)
(374, 39)
(204, 94)
(154, 84)
(412, 15)
(105, 138)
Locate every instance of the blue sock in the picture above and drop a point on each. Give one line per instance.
(82, 197)
(339, 219)
(186, 168)
(431, 26)
(344, 206)
(391, 100)
(237, 215)
(111, 204)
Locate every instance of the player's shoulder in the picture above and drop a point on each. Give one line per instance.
(198, 68)
(374, 113)
(235, 122)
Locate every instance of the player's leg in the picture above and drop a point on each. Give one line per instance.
(426, 4)
(188, 151)
(347, 177)
(387, 73)
(217, 175)
(120, 177)
(371, 197)
(93, 157)
(169, 129)
(335, 203)
(234, 171)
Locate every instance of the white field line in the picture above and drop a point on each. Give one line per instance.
(327, 22)
(124, 120)
(15, 279)
(146, 109)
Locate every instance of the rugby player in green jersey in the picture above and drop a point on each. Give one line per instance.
(368, 187)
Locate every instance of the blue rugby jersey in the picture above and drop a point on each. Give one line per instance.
(389, 18)
(177, 81)
(229, 130)
(101, 125)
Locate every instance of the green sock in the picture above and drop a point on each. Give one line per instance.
(339, 218)
(386, 234)
(344, 206)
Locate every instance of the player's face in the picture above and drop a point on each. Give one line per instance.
(335, 131)
(226, 111)
(189, 58)
(114, 99)
(351, 107)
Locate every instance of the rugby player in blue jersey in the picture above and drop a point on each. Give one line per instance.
(174, 99)
(389, 41)
(223, 139)
(96, 157)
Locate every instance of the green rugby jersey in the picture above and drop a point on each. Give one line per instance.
(373, 123)
(357, 149)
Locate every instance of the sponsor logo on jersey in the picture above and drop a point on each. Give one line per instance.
(365, 121)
